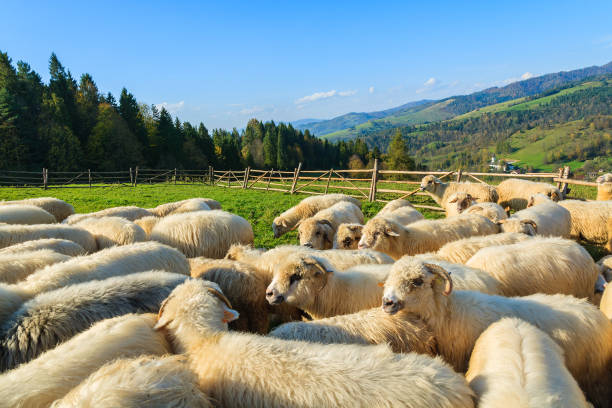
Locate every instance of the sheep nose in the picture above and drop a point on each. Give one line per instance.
(390, 306)
(362, 245)
(275, 300)
(421, 188)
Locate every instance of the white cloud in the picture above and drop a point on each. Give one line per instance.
(173, 108)
(347, 93)
(371, 90)
(430, 82)
(527, 75)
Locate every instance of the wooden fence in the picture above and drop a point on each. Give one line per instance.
(365, 184)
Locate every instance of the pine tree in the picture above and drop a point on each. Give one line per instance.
(269, 149)
(398, 158)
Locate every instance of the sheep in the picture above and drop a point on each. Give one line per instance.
(466, 277)
(305, 209)
(458, 202)
(318, 231)
(492, 211)
(55, 372)
(539, 265)
(605, 266)
(59, 208)
(606, 302)
(130, 212)
(54, 317)
(394, 205)
(242, 369)
(462, 250)
(147, 224)
(348, 235)
(163, 210)
(589, 219)
(149, 381)
(546, 217)
(403, 333)
(203, 233)
(396, 240)
(310, 283)
(195, 204)
(107, 263)
(515, 364)
(16, 234)
(244, 287)
(112, 231)
(440, 191)
(15, 267)
(25, 214)
(515, 193)
(458, 318)
(604, 187)
(61, 246)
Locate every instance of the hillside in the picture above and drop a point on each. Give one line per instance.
(361, 124)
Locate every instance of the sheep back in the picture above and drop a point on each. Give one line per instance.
(112, 231)
(16, 234)
(61, 246)
(58, 208)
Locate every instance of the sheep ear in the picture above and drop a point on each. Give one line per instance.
(381, 284)
(500, 222)
(295, 226)
(442, 273)
(316, 264)
(530, 222)
(391, 233)
(229, 315)
(220, 296)
(454, 200)
(162, 321)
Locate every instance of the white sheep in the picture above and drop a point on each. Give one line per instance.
(318, 231)
(514, 364)
(311, 284)
(15, 267)
(61, 246)
(539, 265)
(458, 318)
(402, 332)
(54, 373)
(515, 193)
(466, 277)
(394, 205)
(203, 233)
(25, 214)
(441, 191)
(147, 224)
(463, 203)
(305, 209)
(130, 212)
(424, 236)
(54, 317)
(59, 208)
(604, 187)
(546, 217)
(605, 266)
(112, 231)
(163, 210)
(241, 369)
(16, 234)
(606, 302)
(347, 236)
(492, 211)
(589, 219)
(461, 250)
(153, 382)
(115, 261)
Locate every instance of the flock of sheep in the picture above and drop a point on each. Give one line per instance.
(172, 306)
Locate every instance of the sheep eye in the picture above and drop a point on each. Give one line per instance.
(294, 278)
(417, 282)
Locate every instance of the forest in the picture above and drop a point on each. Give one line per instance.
(68, 125)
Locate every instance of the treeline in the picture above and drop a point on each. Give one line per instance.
(467, 142)
(68, 125)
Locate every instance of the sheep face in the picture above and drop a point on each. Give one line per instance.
(317, 234)
(461, 200)
(606, 178)
(196, 304)
(279, 227)
(297, 281)
(540, 198)
(378, 233)
(412, 284)
(528, 227)
(348, 236)
(428, 183)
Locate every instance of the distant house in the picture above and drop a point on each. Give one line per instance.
(504, 165)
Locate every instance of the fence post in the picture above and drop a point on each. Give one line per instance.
(175, 176)
(44, 177)
(560, 175)
(229, 179)
(269, 178)
(131, 177)
(246, 177)
(212, 175)
(459, 174)
(89, 176)
(566, 174)
(136, 177)
(328, 180)
(296, 176)
(374, 182)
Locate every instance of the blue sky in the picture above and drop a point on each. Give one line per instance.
(224, 62)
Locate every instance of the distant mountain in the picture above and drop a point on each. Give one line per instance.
(323, 127)
(354, 125)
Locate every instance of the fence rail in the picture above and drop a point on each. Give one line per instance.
(367, 184)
